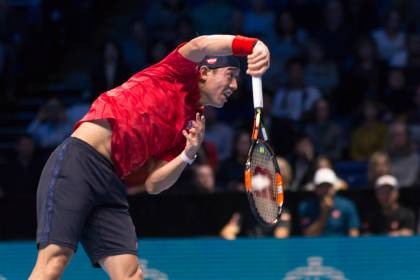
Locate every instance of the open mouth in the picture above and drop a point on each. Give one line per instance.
(227, 94)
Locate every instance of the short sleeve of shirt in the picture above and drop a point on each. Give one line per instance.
(307, 213)
(353, 216)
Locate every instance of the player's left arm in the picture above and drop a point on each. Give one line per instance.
(165, 174)
(257, 53)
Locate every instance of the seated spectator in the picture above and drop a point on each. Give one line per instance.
(409, 57)
(219, 133)
(110, 71)
(286, 171)
(294, 100)
(413, 118)
(369, 136)
(396, 96)
(203, 178)
(134, 46)
(21, 173)
(379, 165)
(325, 134)
(291, 104)
(231, 171)
(259, 20)
(390, 218)
(405, 162)
(319, 71)
(303, 163)
(365, 77)
(328, 214)
(50, 127)
(245, 225)
(324, 162)
(390, 39)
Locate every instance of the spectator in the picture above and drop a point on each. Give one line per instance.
(369, 136)
(396, 96)
(259, 21)
(296, 98)
(134, 46)
(326, 135)
(231, 172)
(390, 218)
(218, 133)
(203, 178)
(303, 163)
(328, 214)
(409, 56)
(245, 225)
(390, 39)
(413, 118)
(110, 71)
(319, 71)
(22, 172)
(217, 10)
(324, 162)
(286, 44)
(50, 127)
(405, 161)
(286, 172)
(335, 36)
(290, 106)
(364, 79)
(379, 165)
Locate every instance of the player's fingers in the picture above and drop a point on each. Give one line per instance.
(258, 65)
(258, 56)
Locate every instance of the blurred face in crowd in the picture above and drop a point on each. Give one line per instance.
(386, 195)
(393, 22)
(305, 148)
(25, 147)
(217, 85)
(285, 23)
(366, 50)
(323, 162)
(379, 163)
(413, 44)
(110, 52)
(324, 189)
(205, 177)
(398, 134)
(242, 144)
(286, 171)
(334, 14)
(396, 79)
(296, 74)
(322, 110)
(54, 111)
(315, 53)
(370, 111)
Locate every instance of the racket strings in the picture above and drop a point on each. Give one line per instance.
(265, 200)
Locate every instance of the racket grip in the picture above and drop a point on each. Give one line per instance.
(257, 92)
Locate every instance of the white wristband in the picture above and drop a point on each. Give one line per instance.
(186, 159)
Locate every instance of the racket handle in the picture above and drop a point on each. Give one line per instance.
(257, 92)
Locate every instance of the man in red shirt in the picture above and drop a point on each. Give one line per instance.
(143, 132)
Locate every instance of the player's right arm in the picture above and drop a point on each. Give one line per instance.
(223, 45)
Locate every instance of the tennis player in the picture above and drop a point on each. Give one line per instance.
(143, 132)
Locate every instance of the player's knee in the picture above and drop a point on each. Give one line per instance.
(55, 267)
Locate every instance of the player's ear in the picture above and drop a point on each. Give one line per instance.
(204, 72)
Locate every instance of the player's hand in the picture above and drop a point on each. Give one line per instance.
(194, 136)
(259, 60)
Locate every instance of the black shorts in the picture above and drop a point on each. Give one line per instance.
(81, 198)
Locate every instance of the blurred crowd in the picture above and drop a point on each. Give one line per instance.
(342, 96)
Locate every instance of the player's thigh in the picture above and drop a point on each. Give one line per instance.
(109, 231)
(124, 266)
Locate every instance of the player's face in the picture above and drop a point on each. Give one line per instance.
(218, 85)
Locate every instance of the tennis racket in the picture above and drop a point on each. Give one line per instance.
(263, 180)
